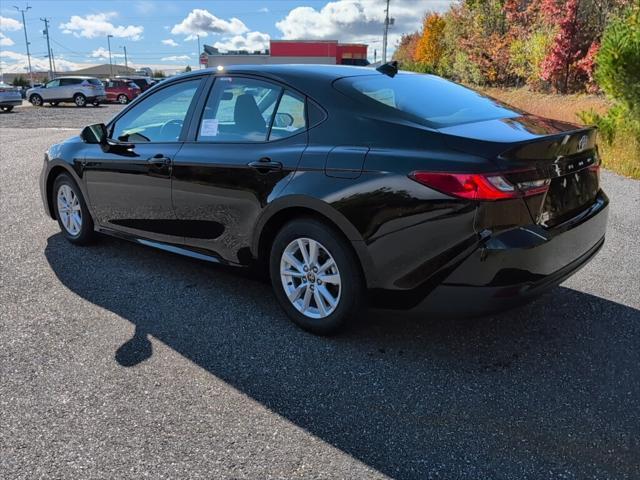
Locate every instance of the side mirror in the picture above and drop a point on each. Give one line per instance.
(95, 134)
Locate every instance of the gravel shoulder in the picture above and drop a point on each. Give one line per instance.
(119, 361)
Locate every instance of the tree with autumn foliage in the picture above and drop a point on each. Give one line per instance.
(429, 48)
(405, 49)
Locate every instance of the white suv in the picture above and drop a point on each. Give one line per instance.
(79, 90)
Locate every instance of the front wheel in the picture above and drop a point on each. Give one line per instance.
(316, 276)
(123, 99)
(71, 211)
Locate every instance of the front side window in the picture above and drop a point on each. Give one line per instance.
(159, 118)
(290, 117)
(238, 110)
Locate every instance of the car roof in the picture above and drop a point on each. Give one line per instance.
(80, 77)
(292, 71)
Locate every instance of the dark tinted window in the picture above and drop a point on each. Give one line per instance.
(290, 116)
(238, 110)
(93, 81)
(158, 118)
(436, 101)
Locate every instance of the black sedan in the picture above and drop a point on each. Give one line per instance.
(348, 185)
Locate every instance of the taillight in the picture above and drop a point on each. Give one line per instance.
(475, 186)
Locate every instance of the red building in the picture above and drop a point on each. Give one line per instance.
(324, 51)
(329, 52)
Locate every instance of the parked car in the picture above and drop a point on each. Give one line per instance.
(120, 90)
(78, 90)
(145, 83)
(346, 184)
(9, 97)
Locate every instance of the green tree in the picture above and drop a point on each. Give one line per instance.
(188, 69)
(158, 74)
(20, 81)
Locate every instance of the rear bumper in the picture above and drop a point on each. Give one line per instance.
(512, 267)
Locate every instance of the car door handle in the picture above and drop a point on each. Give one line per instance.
(266, 164)
(159, 159)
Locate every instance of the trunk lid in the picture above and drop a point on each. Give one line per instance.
(530, 148)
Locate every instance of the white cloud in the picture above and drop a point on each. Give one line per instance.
(5, 41)
(103, 54)
(14, 62)
(97, 25)
(145, 7)
(176, 58)
(357, 20)
(202, 22)
(9, 24)
(170, 41)
(251, 41)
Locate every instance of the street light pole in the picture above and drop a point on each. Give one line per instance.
(26, 40)
(109, 37)
(198, 36)
(126, 63)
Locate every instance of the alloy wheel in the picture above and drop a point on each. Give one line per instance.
(123, 99)
(310, 278)
(69, 210)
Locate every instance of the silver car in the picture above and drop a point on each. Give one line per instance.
(78, 90)
(9, 97)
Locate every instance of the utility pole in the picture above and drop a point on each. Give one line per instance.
(53, 60)
(126, 63)
(385, 35)
(198, 36)
(46, 33)
(109, 37)
(26, 40)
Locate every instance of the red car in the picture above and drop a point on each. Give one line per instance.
(121, 91)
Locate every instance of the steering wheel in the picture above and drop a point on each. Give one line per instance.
(176, 124)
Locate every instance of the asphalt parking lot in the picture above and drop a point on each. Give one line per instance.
(119, 361)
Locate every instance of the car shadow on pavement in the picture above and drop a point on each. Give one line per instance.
(546, 390)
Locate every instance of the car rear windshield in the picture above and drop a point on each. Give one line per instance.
(429, 99)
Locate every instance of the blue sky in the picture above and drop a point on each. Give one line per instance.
(162, 33)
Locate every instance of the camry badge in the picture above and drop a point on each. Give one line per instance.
(582, 144)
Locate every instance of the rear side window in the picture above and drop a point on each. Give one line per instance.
(94, 81)
(428, 98)
(238, 110)
(290, 116)
(69, 81)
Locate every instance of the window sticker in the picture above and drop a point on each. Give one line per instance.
(209, 127)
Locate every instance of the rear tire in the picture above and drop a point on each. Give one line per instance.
(71, 211)
(123, 99)
(317, 298)
(80, 100)
(35, 100)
